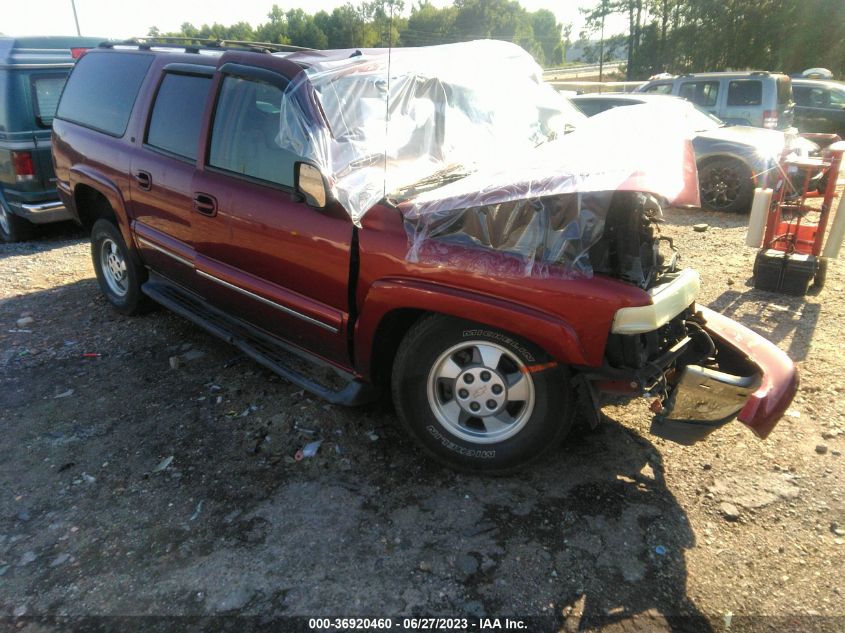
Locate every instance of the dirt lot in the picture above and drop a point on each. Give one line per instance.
(136, 486)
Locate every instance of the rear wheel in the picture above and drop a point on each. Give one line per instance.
(14, 228)
(479, 399)
(120, 278)
(726, 185)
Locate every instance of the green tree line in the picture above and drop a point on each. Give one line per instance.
(699, 35)
(386, 23)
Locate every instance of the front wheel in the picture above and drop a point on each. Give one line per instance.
(479, 399)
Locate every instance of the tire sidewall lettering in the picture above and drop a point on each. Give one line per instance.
(456, 448)
(502, 338)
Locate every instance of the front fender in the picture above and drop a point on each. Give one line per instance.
(556, 337)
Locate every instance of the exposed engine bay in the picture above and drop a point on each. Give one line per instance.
(630, 245)
(579, 234)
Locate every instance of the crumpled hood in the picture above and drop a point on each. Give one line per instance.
(634, 150)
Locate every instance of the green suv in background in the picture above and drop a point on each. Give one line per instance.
(33, 71)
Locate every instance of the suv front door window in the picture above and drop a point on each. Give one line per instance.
(245, 134)
(702, 93)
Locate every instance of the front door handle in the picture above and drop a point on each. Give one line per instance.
(145, 180)
(205, 204)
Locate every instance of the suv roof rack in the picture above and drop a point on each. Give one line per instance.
(195, 44)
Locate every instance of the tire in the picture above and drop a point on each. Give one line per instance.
(14, 228)
(821, 273)
(533, 407)
(119, 276)
(726, 185)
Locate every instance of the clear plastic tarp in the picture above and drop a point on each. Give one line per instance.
(470, 143)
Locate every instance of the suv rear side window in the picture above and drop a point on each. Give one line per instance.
(177, 114)
(102, 90)
(746, 92)
(245, 129)
(46, 90)
(702, 93)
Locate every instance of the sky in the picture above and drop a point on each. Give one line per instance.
(121, 19)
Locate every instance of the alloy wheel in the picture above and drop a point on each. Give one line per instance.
(480, 392)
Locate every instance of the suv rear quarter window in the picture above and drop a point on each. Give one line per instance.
(745, 92)
(102, 89)
(177, 114)
(702, 93)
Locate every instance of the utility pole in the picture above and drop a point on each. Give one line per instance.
(75, 18)
(601, 42)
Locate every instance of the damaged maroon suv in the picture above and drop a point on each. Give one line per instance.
(363, 221)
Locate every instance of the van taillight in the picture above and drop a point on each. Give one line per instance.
(76, 53)
(770, 119)
(23, 166)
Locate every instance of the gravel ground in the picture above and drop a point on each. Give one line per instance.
(137, 485)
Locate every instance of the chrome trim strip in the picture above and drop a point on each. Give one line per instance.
(44, 206)
(164, 251)
(272, 304)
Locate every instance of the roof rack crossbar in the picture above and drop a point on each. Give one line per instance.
(194, 44)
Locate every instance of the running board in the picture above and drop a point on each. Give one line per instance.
(266, 350)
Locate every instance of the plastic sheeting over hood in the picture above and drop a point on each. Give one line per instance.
(444, 128)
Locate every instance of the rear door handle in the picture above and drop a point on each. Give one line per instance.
(205, 204)
(145, 180)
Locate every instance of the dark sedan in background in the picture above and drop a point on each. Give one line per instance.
(731, 159)
(819, 106)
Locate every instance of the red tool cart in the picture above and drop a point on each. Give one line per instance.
(789, 232)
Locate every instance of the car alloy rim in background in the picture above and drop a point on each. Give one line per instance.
(720, 186)
(480, 392)
(113, 266)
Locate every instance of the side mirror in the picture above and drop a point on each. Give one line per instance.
(311, 184)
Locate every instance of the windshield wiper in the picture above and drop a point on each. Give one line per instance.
(437, 179)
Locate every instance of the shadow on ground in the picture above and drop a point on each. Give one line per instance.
(131, 488)
(46, 237)
(777, 318)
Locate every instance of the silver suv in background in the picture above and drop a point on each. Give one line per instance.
(757, 98)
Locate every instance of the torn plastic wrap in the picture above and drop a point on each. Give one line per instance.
(477, 151)
(396, 118)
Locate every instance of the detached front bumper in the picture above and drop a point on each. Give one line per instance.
(755, 383)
